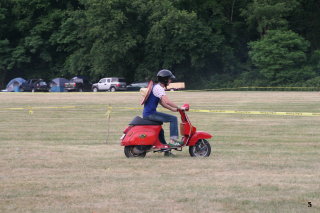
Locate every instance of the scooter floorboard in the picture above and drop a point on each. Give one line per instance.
(168, 149)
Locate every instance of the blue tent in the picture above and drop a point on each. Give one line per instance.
(57, 84)
(14, 85)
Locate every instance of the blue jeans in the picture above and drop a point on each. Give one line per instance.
(163, 117)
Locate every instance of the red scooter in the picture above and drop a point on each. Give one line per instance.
(142, 136)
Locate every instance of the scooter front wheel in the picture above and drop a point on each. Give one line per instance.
(201, 149)
(133, 152)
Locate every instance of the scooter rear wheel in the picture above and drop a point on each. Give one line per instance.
(129, 152)
(201, 149)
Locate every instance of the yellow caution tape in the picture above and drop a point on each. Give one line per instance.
(22, 108)
(258, 112)
(109, 110)
(242, 112)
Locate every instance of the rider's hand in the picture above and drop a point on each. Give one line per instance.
(182, 108)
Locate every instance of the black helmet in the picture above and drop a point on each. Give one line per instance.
(164, 76)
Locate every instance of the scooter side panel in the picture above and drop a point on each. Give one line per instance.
(141, 135)
(197, 136)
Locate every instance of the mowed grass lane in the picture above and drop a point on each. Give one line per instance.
(55, 159)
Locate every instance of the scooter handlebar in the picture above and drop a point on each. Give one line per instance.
(185, 107)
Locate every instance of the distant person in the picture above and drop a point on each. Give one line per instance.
(158, 95)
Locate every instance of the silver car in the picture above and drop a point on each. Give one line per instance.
(111, 84)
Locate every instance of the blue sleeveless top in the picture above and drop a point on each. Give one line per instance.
(150, 106)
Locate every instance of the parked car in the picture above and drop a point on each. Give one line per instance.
(111, 84)
(79, 84)
(34, 85)
(137, 86)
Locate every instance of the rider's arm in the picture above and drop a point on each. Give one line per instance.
(166, 103)
(159, 92)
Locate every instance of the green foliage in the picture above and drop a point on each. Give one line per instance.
(204, 42)
(313, 82)
(180, 38)
(305, 21)
(315, 61)
(268, 14)
(280, 57)
(103, 39)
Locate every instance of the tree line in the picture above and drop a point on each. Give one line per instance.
(207, 43)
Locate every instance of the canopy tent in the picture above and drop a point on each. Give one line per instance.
(14, 85)
(57, 84)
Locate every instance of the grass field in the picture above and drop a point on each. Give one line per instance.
(57, 155)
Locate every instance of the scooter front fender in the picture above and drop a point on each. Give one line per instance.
(197, 136)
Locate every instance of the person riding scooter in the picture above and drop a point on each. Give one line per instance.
(158, 95)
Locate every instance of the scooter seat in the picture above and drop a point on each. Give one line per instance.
(140, 121)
